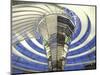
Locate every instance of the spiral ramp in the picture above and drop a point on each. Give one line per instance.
(29, 54)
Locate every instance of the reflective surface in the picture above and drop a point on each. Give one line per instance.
(52, 37)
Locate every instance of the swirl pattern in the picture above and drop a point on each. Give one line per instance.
(28, 52)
